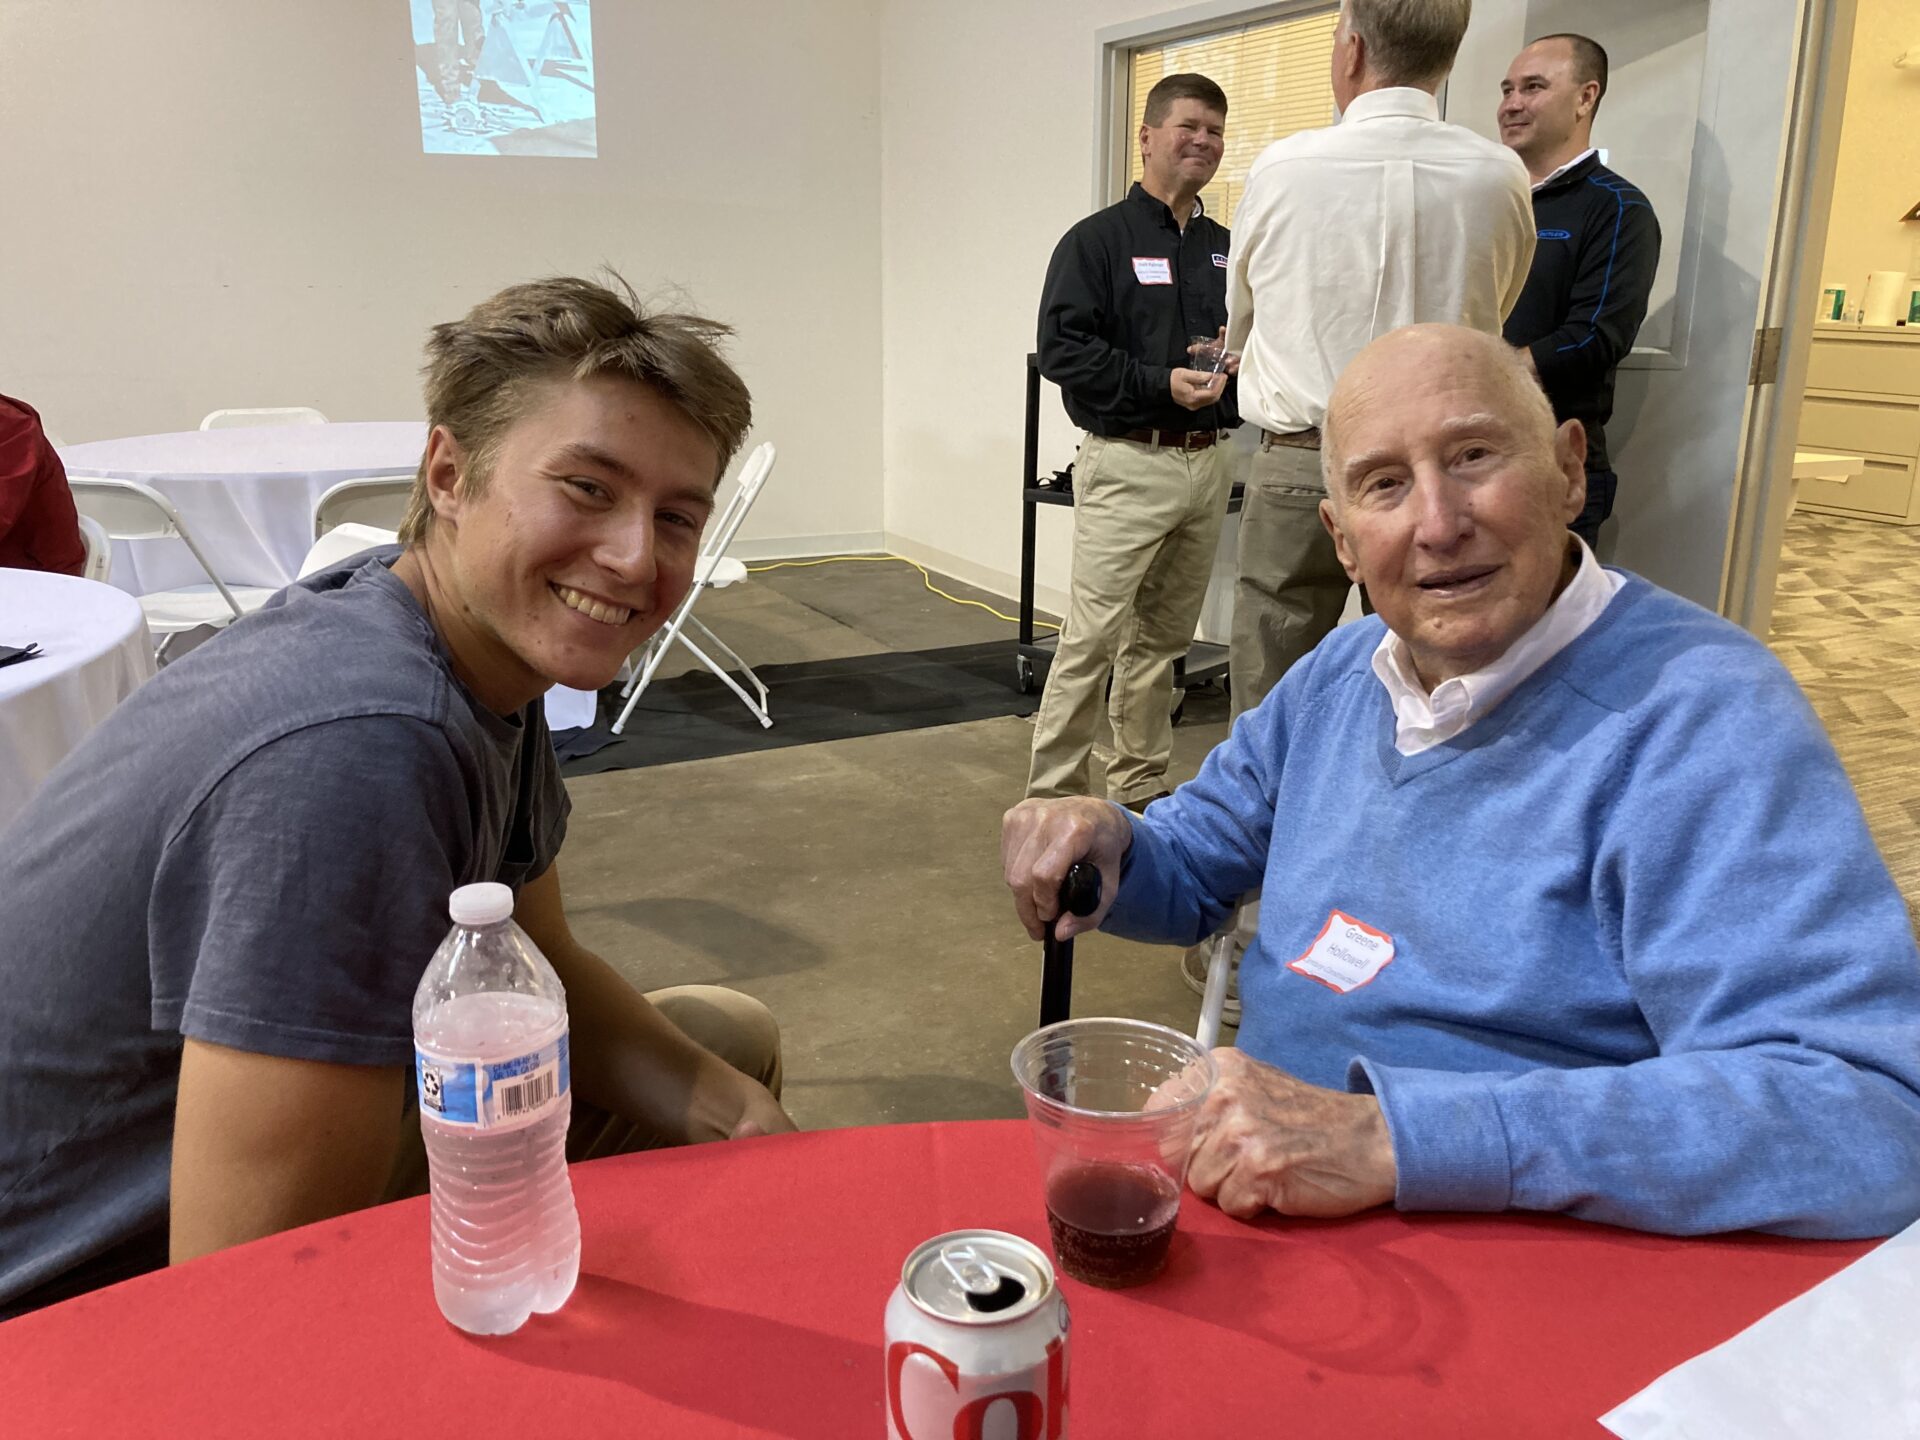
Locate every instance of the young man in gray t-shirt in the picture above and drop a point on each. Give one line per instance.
(219, 906)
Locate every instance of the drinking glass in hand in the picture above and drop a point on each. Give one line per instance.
(1113, 1105)
(1206, 353)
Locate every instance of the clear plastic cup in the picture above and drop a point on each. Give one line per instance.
(1113, 1105)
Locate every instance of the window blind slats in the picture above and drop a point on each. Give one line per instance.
(1276, 77)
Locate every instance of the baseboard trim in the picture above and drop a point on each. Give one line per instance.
(808, 547)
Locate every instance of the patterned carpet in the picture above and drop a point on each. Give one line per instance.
(1846, 622)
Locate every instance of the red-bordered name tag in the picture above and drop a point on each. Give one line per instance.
(1153, 269)
(1346, 954)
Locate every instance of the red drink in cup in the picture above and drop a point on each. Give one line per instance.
(1112, 1224)
(1113, 1105)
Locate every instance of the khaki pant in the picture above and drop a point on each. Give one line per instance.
(1291, 588)
(1288, 598)
(736, 1027)
(1146, 523)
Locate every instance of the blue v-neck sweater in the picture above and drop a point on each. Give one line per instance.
(1647, 965)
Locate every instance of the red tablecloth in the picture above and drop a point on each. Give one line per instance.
(738, 1289)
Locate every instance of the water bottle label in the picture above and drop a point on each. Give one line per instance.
(503, 1095)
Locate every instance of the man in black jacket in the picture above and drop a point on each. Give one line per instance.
(1129, 289)
(1598, 245)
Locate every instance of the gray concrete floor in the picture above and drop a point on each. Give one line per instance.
(854, 885)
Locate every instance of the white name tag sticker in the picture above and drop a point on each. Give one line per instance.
(1153, 269)
(1346, 954)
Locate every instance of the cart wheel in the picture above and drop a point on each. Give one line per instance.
(1023, 674)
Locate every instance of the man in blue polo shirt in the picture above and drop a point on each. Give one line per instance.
(1570, 906)
(1599, 244)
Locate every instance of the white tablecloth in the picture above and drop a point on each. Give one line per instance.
(247, 494)
(95, 650)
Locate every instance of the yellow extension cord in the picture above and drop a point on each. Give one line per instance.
(895, 560)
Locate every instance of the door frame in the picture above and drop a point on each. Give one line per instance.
(1790, 288)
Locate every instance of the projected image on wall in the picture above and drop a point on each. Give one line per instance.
(505, 77)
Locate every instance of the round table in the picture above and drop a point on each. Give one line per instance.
(94, 650)
(738, 1289)
(247, 494)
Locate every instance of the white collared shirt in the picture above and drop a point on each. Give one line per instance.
(1422, 721)
(1388, 218)
(1559, 170)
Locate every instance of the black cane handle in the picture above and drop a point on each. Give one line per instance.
(1079, 895)
(1080, 891)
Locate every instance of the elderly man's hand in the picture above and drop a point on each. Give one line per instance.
(1196, 389)
(1040, 840)
(1266, 1141)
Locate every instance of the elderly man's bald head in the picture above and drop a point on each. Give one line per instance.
(1402, 357)
(1449, 492)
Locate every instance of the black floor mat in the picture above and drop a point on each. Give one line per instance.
(695, 717)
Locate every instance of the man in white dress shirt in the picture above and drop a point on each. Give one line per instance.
(1388, 218)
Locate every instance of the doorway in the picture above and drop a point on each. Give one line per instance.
(1845, 612)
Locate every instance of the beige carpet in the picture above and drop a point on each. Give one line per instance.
(1846, 622)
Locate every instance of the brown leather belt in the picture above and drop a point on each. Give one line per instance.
(1293, 439)
(1172, 439)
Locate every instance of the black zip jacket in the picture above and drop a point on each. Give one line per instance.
(1587, 292)
(1126, 292)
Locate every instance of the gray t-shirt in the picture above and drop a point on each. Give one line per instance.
(254, 850)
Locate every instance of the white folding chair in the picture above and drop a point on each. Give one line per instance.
(128, 510)
(342, 542)
(99, 545)
(713, 571)
(376, 500)
(268, 415)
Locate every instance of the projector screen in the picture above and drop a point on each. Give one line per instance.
(505, 77)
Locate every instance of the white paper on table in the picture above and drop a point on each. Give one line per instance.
(1841, 1360)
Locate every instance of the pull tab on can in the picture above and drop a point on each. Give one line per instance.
(988, 1287)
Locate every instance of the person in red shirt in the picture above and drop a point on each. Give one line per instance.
(39, 529)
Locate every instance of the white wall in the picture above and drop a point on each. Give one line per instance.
(216, 204)
(987, 157)
(1878, 181)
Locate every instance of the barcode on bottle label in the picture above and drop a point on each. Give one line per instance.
(503, 1095)
(525, 1099)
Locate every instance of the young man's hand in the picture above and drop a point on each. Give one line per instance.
(763, 1116)
(628, 1058)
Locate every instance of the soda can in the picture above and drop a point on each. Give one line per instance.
(977, 1342)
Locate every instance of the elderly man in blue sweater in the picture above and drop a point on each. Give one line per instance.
(1570, 905)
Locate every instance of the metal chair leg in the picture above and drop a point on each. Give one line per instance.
(759, 713)
(736, 663)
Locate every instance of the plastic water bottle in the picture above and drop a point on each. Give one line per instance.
(490, 1043)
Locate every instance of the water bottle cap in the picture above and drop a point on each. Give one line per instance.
(485, 904)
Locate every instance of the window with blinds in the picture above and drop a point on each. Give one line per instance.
(1276, 75)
